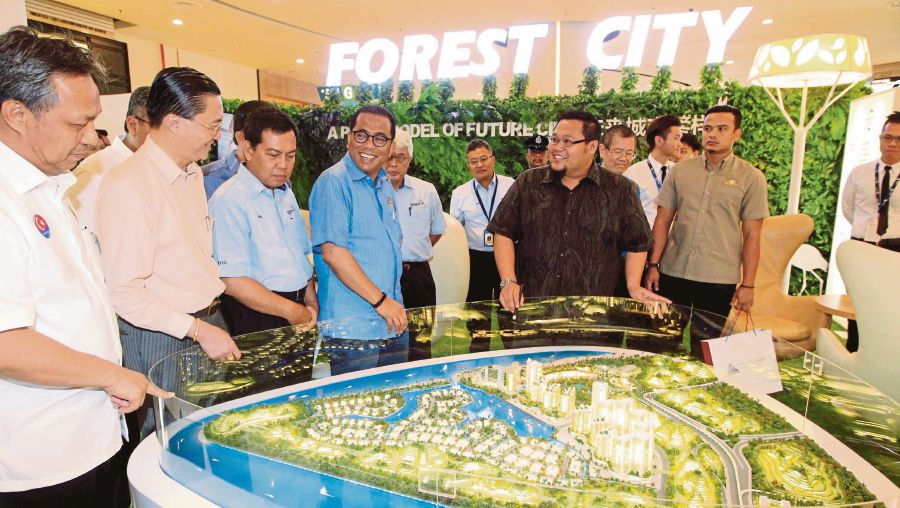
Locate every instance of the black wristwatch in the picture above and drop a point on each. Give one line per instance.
(652, 265)
(380, 301)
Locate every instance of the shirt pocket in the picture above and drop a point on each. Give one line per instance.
(730, 194)
(419, 220)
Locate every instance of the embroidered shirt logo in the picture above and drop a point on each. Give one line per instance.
(42, 226)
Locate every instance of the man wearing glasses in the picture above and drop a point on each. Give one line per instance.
(571, 220)
(356, 246)
(617, 148)
(473, 204)
(89, 174)
(156, 235)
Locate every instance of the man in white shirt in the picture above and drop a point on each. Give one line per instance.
(61, 383)
(89, 174)
(664, 140)
(473, 204)
(869, 200)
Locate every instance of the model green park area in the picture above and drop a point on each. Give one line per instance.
(594, 430)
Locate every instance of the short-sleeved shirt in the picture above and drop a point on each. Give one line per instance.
(421, 215)
(52, 282)
(218, 172)
(569, 241)
(465, 207)
(706, 241)
(648, 176)
(89, 174)
(351, 210)
(259, 233)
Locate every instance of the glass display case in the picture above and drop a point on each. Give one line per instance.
(572, 401)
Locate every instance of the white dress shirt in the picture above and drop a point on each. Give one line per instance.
(420, 213)
(52, 283)
(464, 206)
(83, 195)
(859, 205)
(648, 186)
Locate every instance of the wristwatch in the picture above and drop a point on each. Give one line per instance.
(653, 265)
(507, 282)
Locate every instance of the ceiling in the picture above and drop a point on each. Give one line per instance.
(273, 34)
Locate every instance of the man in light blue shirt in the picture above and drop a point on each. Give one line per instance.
(259, 237)
(217, 172)
(356, 244)
(422, 223)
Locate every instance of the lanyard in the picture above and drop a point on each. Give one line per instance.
(487, 215)
(883, 201)
(653, 173)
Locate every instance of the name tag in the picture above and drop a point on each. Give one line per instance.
(488, 239)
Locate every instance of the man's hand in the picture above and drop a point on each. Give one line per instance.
(511, 297)
(657, 305)
(651, 279)
(128, 389)
(394, 314)
(216, 343)
(742, 299)
(299, 314)
(313, 317)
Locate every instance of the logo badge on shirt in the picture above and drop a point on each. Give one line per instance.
(42, 226)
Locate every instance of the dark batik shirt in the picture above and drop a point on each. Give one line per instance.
(569, 242)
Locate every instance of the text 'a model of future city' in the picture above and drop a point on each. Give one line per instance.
(581, 428)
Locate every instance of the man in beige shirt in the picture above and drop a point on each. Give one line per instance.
(717, 203)
(155, 232)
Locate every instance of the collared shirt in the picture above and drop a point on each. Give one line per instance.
(218, 171)
(648, 186)
(351, 210)
(465, 207)
(858, 199)
(259, 233)
(569, 240)
(706, 241)
(52, 283)
(421, 215)
(83, 195)
(156, 241)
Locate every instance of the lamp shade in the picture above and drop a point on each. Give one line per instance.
(814, 60)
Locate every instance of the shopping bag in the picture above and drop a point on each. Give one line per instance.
(744, 359)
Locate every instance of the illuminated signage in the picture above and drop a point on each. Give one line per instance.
(470, 53)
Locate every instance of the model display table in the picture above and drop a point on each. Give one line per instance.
(578, 401)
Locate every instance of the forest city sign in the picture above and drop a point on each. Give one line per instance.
(470, 53)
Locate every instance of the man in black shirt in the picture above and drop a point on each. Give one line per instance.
(571, 220)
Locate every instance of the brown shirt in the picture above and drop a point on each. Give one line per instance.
(706, 240)
(570, 241)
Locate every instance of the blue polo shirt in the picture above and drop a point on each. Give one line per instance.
(421, 215)
(350, 210)
(259, 233)
(218, 171)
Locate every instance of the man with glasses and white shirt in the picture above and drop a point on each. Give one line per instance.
(473, 204)
(617, 148)
(155, 232)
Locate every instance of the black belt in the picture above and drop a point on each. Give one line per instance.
(409, 264)
(208, 310)
(294, 296)
(858, 239)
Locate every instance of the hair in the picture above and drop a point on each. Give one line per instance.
(690, 140)
(660, 127)
(725, 108)
(137, 100)
(374, 110)
(477, 143)
(623, 131)
(28, 63)
(892, 118)
(590, 127)
(267, 119)
(242, 111)
(178, 91)
(403, 140)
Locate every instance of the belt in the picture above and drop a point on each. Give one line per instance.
(294, 296)
(858, 239)
(409, 264)
(207, 311)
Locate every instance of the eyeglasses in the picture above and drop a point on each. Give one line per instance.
(378, 140)
(139, 119)
(481, 160)
(618, 153)
(214, 128)
(887, 138)
(567, 143)
(399, 159)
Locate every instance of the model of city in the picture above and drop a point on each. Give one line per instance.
(624, 429)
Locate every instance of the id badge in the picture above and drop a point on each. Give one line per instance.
(872, 232)
(488, 239)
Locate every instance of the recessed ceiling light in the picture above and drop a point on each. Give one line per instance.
(177, 22)
(767, 21)
(300, 60)
(729, 62)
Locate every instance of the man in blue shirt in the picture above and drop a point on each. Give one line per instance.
(259, 236)
(356, 244)
(422, 223)
(217, 172)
